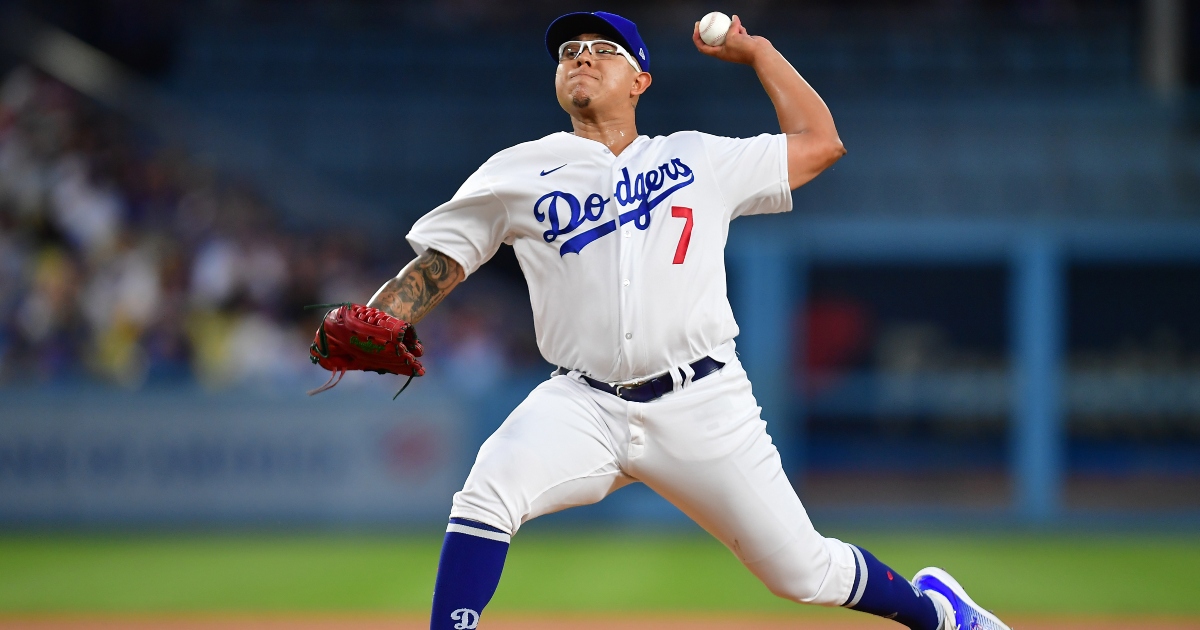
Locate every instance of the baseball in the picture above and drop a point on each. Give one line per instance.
(713, 28)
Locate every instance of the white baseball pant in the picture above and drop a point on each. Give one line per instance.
(702, 447)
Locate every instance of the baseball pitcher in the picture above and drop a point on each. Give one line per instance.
(621, 239)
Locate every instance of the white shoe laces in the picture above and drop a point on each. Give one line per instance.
(949, 621)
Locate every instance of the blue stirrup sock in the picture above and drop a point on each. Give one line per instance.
(468, 573)
(883, 592)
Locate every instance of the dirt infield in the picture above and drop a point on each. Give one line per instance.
(568, 621)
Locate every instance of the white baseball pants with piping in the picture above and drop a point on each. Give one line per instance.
(702, 447)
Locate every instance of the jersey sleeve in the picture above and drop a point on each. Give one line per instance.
(751, 173)
(469, 228)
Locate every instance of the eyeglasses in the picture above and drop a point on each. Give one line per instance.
(600, 49)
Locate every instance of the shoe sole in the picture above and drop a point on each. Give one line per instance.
(958, 591)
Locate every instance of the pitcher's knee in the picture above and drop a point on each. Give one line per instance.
(492, 493)
(484, 507)
(818, 572)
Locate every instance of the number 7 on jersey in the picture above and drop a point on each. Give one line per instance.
(679, 212)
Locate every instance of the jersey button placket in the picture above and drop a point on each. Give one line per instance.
(624, 264)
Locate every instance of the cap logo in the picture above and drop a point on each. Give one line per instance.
(642, 53)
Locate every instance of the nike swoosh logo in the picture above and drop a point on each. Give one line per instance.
(545, 173)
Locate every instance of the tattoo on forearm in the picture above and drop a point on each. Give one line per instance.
(419, 287)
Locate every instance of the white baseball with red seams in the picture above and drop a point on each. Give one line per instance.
(714, 27)
(624, 258)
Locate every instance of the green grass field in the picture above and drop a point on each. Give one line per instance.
(1021, 574)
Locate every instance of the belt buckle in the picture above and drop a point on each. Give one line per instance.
(619, 388)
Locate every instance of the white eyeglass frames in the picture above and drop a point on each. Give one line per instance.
(600, 49)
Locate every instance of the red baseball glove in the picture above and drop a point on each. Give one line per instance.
(357, 337)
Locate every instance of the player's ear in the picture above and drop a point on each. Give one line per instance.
(641, 83)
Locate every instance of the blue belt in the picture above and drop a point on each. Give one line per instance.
(655, 387)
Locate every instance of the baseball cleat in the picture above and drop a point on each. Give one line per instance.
(967, 614)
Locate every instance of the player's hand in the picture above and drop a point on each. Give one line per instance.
(739, 46)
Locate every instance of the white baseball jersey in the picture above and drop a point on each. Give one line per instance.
(623, 254)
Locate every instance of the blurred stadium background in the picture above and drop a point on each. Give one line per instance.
(982, 324)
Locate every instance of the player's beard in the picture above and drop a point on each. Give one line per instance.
(581, 97)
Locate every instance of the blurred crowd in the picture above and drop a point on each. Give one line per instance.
(122, 260)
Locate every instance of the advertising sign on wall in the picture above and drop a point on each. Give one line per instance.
(172, 456)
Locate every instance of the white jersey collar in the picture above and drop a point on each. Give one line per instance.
(600, 145)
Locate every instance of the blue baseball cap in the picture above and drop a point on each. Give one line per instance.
(610, 25)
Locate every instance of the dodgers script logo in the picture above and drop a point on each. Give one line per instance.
(469, 618)
(643, 192)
